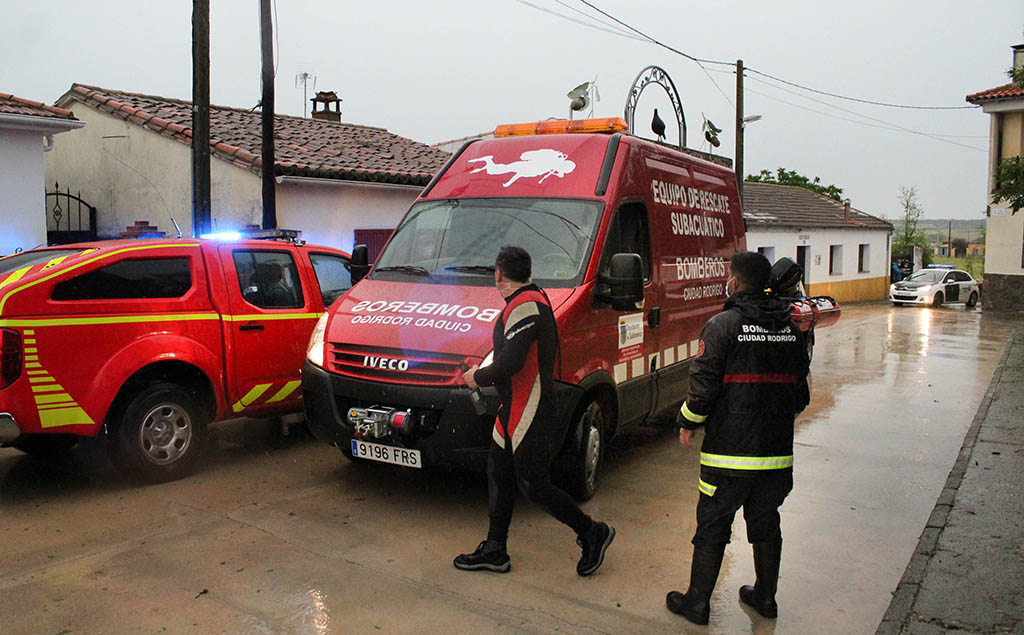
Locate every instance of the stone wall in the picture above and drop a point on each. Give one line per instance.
(1001, 292)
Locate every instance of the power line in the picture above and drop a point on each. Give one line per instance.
(618, 32)
(862, 101)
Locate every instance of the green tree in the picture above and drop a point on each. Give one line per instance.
(783, 176)
(1010, 183)
(1016, 75)
(959, 247)
(909, 234)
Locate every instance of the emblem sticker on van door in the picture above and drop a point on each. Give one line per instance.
(631, 330)
(532, 164)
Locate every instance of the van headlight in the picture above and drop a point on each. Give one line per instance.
(315, 351)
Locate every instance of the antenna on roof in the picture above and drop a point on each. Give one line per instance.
(303, 78)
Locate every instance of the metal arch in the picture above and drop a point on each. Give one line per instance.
(656, 75)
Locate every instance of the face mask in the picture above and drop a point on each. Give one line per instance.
(729, 291)
(503, 287)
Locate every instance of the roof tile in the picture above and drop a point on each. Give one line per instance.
(1006, 91)
(307, 147)
(11, 105)
(769, 205)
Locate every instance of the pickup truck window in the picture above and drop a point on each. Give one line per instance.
(133, 278)
(333, 275)
(268, 279)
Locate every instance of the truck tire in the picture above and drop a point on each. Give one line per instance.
(159, 435)
(938, 299)
(580, 462)
(46, 446)
(973, 300)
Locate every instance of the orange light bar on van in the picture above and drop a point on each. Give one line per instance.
(561, 126)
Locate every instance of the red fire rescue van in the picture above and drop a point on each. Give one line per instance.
(629, 238)
(146, 341)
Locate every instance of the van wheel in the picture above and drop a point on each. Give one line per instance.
(160, 434)
(972, 301)
(580, 462)
(46, 446)
(937, 300)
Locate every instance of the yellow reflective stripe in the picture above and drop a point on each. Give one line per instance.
(65, 416)
(37, 372)
(746, 462)
(250, 397)
(39, 380)
(55, 261)
(47, 388)
(691, 415)
(3, 301)
(41, 399)
(33, 365)
(31, 349)
(116, 319)
(31, 358)
(706, 488)
(15, 276)
(288, 389)
(272, 316)
(29, 341)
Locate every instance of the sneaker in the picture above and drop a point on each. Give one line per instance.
(489, 556)
(595, 542)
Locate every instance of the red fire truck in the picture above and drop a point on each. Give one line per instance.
(147, 341)
(629, 238)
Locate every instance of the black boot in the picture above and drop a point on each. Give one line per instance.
(490, 555)
(761, 596)
(695, 605)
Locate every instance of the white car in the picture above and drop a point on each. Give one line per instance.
(936, 286)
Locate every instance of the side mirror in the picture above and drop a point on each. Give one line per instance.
(360, 263)
(625, 282)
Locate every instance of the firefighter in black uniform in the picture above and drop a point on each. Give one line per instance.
(527, 429)
(747, 384)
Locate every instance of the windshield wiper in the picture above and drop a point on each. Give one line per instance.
(414, 269)
(481, 269)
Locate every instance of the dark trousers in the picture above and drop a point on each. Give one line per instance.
(528, 469)
(760, 496)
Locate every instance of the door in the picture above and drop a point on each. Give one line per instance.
(952, 287)
(636, 331)
(803, 258)
(269, 327)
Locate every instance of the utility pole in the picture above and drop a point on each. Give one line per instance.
(949, 238)
(200, 117)
(738, 161)
(267, 152)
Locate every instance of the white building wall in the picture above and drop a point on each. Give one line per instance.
(820, 241)
(130, 173)
(329, 211)
(1004, 238)
(22, 191)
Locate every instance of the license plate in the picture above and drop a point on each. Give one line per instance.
(386, 454)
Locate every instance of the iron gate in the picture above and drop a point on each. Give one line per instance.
(72, 222)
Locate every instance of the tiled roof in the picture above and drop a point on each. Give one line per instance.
(11, 105)
(1007, 91)
(302, 147)
(768, 205)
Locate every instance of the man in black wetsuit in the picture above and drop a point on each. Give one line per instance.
(747, 384)
(527, 428)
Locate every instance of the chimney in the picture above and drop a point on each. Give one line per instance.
(846, 208)
(324, 99)
(1018, 55)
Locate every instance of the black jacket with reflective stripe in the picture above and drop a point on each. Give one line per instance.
(747, 384)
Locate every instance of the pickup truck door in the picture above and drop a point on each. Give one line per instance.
(274, 307)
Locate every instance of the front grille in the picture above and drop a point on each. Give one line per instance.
(904, 297)
(394, 365)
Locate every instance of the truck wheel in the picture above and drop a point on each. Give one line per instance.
(972, 301)
(46, 446)
(580, 463)
(159, 435)
(937, 300)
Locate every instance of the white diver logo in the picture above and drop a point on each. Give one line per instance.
(533, 163)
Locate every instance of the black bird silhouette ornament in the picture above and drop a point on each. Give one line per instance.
(658, 126)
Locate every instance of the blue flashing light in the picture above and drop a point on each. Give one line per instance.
(941, 267)
(222, 236)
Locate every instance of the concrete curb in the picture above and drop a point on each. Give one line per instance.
(900, 610)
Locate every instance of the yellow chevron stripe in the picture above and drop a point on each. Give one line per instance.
(47, 388)
(272, 316)
(288, 389)
(250, 397)
(62, 397)
(68, 416)
(15, 276)
(55, 261)
(117, 319)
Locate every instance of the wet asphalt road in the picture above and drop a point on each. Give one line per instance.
(277, 535)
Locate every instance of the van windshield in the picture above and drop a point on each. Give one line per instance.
(455, 241)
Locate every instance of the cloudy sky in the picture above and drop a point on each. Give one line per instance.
(434, 71)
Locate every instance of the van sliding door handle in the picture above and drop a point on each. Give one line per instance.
(251, 327)
(654, 317)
